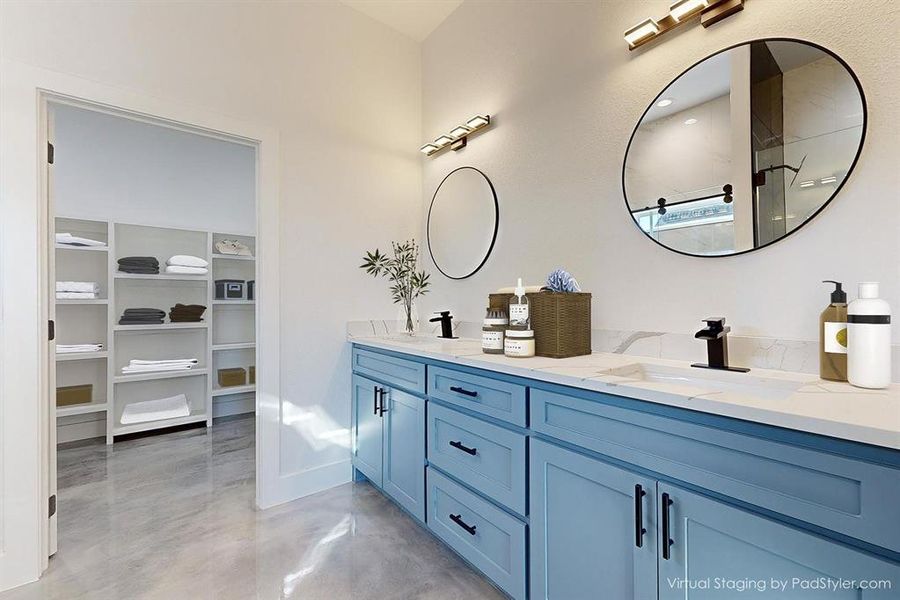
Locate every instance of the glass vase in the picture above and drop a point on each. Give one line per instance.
(408, 319)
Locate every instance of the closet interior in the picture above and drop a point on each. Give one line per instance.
(155, 325)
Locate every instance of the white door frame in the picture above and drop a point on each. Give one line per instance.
(25, 415)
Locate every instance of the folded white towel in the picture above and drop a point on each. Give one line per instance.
(77, 286)
(154, 368)
(179, 270)
(186, 260)
(72, 240)
(172, 361)
(155, 410)
(76, 295)
(76, 348)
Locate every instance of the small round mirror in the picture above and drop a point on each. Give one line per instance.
(744, 148)
(462, 222)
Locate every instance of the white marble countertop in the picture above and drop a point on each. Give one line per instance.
(792, 400)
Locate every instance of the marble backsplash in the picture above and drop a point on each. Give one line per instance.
(754, 352)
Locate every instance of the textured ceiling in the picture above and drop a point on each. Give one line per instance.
(415, 18)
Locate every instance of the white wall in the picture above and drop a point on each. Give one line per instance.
(117, 169)
(343, 94)
(565, 94)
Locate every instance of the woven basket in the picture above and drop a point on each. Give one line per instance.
(561, 322)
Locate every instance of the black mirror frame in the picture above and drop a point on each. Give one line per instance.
(837, 190)
(493, 236)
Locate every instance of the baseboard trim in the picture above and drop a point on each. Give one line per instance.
(312, 481)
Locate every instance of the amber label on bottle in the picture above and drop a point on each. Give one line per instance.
(835, 337)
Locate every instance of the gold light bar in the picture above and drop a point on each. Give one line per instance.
(641, 32)
(457, 137)
(682, 11)
(686, 8)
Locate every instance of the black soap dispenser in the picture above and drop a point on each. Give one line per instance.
(833, 336)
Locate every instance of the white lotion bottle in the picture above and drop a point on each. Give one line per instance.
(518, 308)
(869, 339)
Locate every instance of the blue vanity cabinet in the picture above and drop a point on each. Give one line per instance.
(403, 472)
(716, 551)
(592, 530)
(365, 424)
(388, 441)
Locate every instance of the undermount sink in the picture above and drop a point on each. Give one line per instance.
(745, 384)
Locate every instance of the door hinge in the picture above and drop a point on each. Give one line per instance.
(52, 506)
(49, 153)
(51, 330)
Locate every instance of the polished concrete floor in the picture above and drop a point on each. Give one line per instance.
(171, 516)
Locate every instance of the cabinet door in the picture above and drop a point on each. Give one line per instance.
(404, 450)
(366, 429)
(718, 551)
(585, 531)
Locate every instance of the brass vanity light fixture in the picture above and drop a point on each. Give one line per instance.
(682, 11)
(457, 137)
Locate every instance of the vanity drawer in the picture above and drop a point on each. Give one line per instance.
(490, 539)
(487, 457)
(394, 371)
(498, 399)
(852, 497)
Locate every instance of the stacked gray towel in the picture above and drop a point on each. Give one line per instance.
(147, 265)
(142, 316)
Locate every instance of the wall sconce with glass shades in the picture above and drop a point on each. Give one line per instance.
(457, 137)
(710, 12)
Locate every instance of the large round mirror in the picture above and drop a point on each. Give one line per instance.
(744, 147)
(462, 222)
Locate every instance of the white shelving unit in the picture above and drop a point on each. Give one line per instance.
(226, 337)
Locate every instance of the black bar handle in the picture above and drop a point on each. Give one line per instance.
(458, 520)
(667, 541)
(375, 400)
(639, 529)
(459, 390)
(381, 408)
(466, 449)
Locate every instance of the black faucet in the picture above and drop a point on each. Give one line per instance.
(446, 327)
(716, 335)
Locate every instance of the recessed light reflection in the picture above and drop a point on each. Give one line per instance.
(664, 102)
(827, 180)
(806, 184)
(690, 121)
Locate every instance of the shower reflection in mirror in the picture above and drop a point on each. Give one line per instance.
(744, 148)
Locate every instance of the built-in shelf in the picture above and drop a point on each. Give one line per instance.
(162, 277)
(71, 356)
(234, 389)
(162, 326)
(82, 301)
(81, 409)
(156, 375)
(236, 346)
(83, 248)
(234, 302)
(120, 429)
(233, 257)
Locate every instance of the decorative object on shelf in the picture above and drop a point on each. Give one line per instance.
(561, 321)
(232, 377)
(458, 136)
(233, 248)
(70, 395)
(251, 374)
(694, 185)
(251, 289)
(462, 224)
(561, 280)
(709, 11)
(407, 283)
